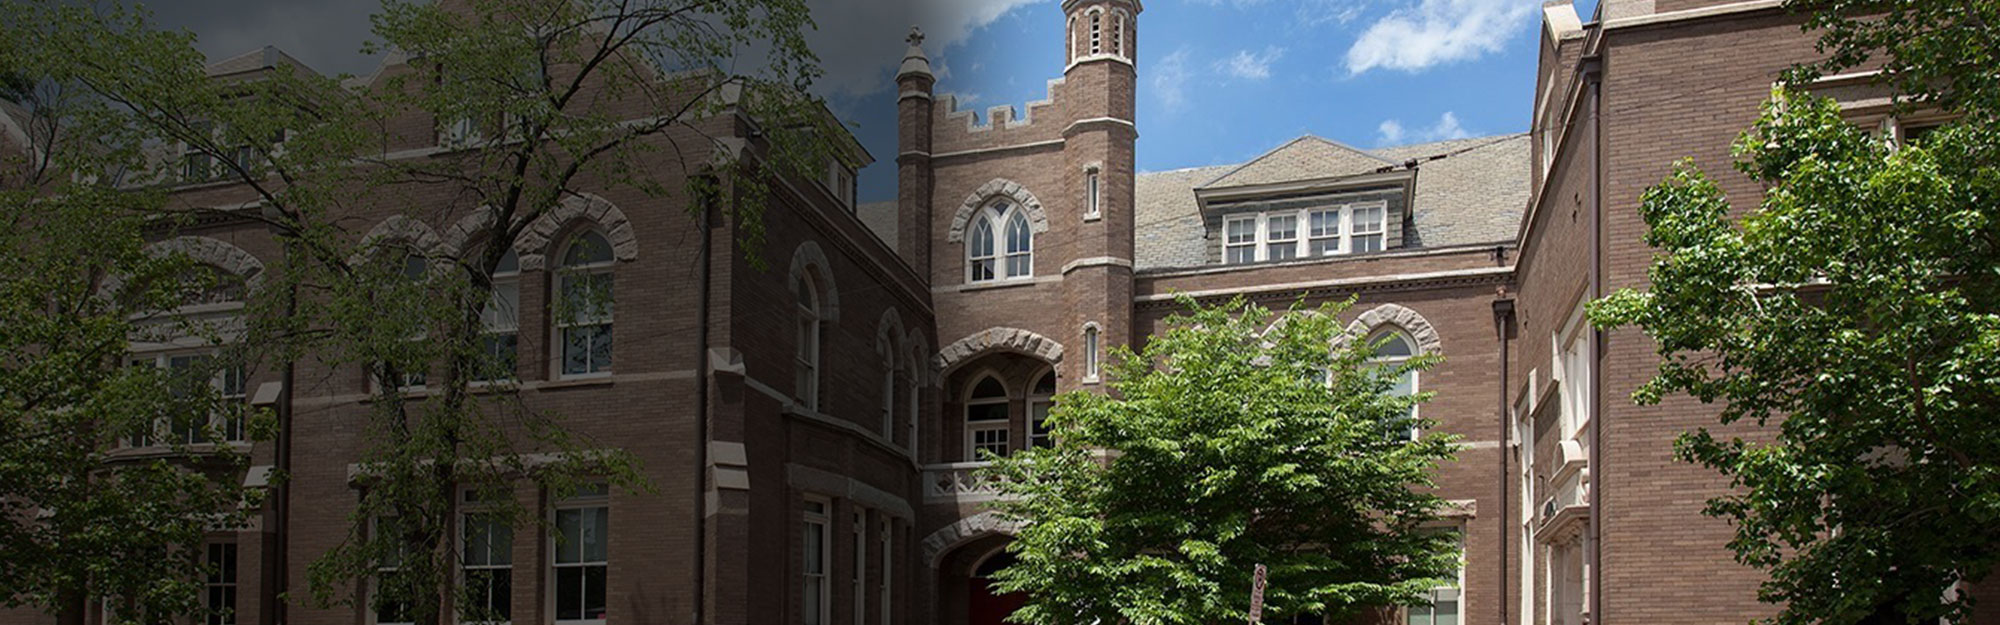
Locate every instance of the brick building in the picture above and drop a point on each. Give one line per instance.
(826, 473)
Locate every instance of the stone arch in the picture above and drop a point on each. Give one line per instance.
(398, 228)
(471, 226)
(534, 243)
(889, 331)
(998, 339)
(215, 252)
(1402, 318)
(949, 537)
(808, 257)
(1038, 219)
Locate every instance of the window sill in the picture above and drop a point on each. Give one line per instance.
(164, 451)
(999, 284)
(578, 381)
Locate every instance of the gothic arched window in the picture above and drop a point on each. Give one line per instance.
(1002, 244)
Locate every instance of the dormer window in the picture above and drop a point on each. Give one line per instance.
(840, 181)
(1316, 231)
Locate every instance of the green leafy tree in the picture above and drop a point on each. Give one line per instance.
(542, 101)
(87, 515)
(1853, 314)
(1222, 446)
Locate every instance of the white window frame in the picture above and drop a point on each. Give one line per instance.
(1273, 246)
(994, 217)
(859, 536)
(1003, 426)
(496, 322)
(1093, 352)
(1396, 361)
(840, 183)
(1096, 26)
(815, 519)
(807, 336)
(886, 532)
(1038, 406)
(1093, 193)
(1261, 241)
(583, 499)
(1572, 368)
(1458, 588)
(471, 509)
(560, 326)
(1118, 36)
(162, 431)
(375, 581)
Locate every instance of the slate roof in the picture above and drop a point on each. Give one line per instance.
(1475, 194)
(1304, 158)
(881, 218)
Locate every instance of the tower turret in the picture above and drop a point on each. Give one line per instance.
(913, 155)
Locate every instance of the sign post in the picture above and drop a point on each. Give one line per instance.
(1257, 596)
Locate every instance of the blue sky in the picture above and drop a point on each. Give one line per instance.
(1222, 81)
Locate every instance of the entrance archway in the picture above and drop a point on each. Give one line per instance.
(984, 605)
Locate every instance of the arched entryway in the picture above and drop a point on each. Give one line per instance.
(984, 604)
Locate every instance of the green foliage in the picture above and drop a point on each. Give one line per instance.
(122, 525)
(1854, 313)
(559, 99)
(1939, 53)
(1220, 447)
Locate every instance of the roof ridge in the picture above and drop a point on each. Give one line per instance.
(1282, 147)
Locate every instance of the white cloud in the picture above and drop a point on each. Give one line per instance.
(1436, 32)
(1249, 66)
(1392, 132)
(1389, 133)
(860, 44)
(1168, 81)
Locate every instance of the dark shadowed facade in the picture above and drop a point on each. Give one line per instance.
(848, 389)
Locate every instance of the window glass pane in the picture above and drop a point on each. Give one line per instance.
(988, 387)
(1242, 230)
(510, 263)
(569, 525)
(502, 310)
(587, 248)
(1368, 219)
(1046, 385)
(982, 238)
(1282, 227)
(1018, 233)
(1393, 346)
(415, 267)
(569, 593)
(986, 412)
(596, 529)
(1241, 254)
(593, 592)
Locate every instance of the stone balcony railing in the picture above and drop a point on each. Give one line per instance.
(959, 482)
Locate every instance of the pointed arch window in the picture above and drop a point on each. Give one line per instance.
(1096, 32)
(583, 315)
(889, 374)
(986, 419)
(1393, 348)
(1118, 36)
(806, 346)
(1002, 244)
(1091, 354)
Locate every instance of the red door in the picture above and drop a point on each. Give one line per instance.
(983, 607)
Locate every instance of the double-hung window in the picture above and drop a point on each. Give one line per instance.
(582, 555)
(1444, 607)
(583, 318)
(499, 342)
(814, 599)
(1323, 231)
(186, 375)
(860, 536)
(486, 568)
(221, 586)
(1369, 227)
(1392, 351)
(1239, 244)
(390, 603)
(986, 420)
(1281, 236)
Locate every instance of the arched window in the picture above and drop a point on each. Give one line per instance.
(1090, 353)
(1012, 256)
(805, 348)
(1096, 31)
(1392, 349)
(1118, 36)
(986, 419)
(914, 397)
(1040, 397)
(501, 323)
(889, 373)
(583, 313)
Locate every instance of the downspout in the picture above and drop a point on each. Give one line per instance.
(701, 382)
(281, 512)
(1594, 78)
(1503, 317)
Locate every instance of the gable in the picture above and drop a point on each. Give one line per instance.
(1305, 158)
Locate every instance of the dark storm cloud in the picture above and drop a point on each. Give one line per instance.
(325, 34)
